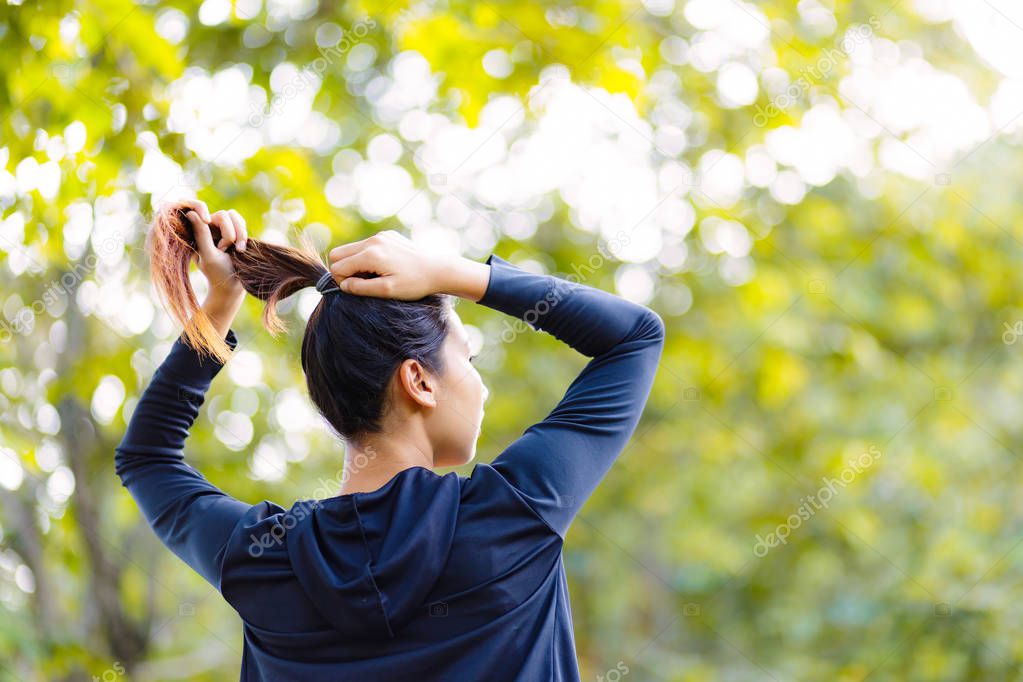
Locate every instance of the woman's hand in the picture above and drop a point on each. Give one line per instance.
(214, 261)
(226, 292)
(389, 265)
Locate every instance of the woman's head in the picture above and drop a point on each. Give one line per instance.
(372, 365)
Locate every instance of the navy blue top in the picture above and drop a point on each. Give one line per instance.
(430, 577)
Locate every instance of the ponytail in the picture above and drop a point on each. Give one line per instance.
(352, 344)
(269, 272)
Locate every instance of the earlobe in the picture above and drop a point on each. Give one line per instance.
(427, 392)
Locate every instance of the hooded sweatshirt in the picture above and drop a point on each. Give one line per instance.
(430, 577)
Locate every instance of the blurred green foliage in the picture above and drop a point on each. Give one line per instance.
(880, 316)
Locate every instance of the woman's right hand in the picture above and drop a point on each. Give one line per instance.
(390, 265)
(226, 293)
(214, 261)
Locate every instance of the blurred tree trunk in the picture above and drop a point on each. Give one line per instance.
(27, 540)
(91, 461)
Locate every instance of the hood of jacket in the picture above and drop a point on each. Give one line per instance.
(368, 561)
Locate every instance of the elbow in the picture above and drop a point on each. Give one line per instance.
(126, 459)
(647, 328)
(653, 328)
(120, 463)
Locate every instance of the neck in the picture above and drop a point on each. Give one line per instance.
(372, 463)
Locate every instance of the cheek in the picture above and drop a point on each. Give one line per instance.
(479, 391)
(472, 399)
(466, 397)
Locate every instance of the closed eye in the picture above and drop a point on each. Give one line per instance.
(473, 357)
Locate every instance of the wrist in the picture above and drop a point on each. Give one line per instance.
(221, 307)
(225, 297)
(462, 277)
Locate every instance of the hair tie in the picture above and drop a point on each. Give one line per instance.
(327, 284)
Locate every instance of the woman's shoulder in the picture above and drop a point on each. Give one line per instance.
(486, 487)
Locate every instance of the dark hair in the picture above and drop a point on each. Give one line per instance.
(352, 343)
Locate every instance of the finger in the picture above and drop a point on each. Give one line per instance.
(197, 206)
(203, 236)
(227, 233)
(346, 250)
(242, 238)
(364, 261)
(361, 286)
(352, 248)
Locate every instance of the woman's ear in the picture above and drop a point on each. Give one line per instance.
(417, 383)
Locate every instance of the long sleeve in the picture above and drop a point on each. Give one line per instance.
(190, 515)
(557, 463)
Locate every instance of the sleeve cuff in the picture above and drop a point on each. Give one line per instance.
(488, 295)
(518, 292)
(501, 293)
(192, 367)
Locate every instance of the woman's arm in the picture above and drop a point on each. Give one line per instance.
(190, 515)
(557, 463)
(221, 308)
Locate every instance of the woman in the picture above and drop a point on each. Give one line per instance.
(405, 574)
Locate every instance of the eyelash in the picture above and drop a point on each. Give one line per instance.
(473, 357)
